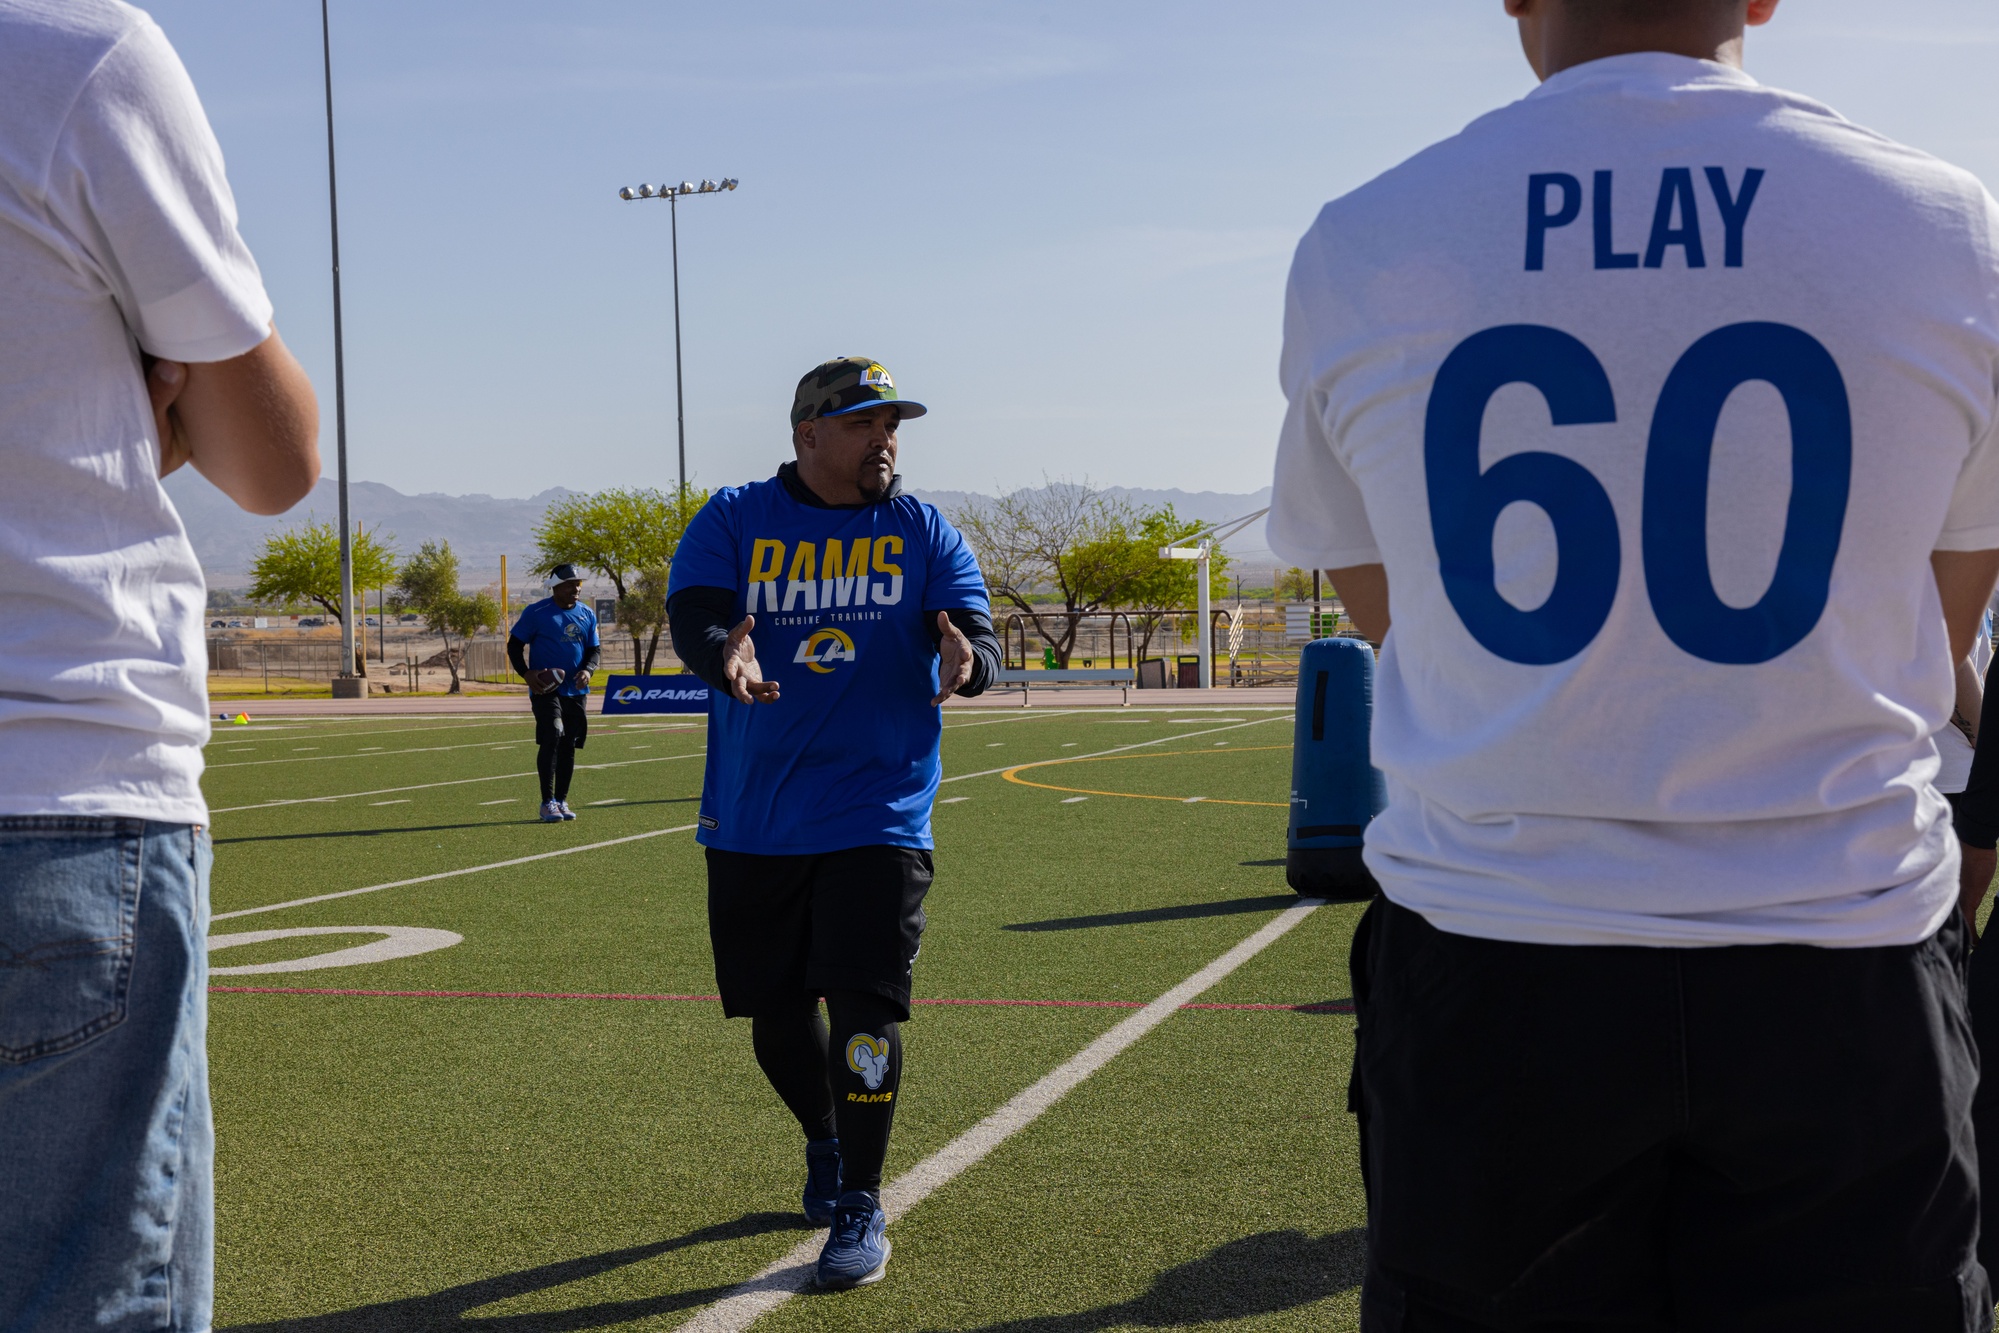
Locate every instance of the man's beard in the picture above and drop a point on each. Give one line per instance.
(871, 489)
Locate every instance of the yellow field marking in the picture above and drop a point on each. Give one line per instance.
(1010, 776)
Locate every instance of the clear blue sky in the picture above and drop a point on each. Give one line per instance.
(1063, 226)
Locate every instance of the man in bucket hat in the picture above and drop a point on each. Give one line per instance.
(554, 648)
(832, 614)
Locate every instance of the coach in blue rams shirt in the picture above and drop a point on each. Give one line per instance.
(832, 614)
(554, 648)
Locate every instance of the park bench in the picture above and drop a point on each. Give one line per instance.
(1011, 678)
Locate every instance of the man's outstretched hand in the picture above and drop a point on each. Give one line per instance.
(954, 658)
(740, 669)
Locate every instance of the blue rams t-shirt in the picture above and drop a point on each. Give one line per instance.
(558, 638)
(844, 598)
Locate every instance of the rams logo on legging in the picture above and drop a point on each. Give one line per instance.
(868, 1057)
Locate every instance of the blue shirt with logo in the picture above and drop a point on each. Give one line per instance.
(558, 638)
(844, 600)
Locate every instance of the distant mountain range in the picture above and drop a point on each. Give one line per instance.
(482, 528)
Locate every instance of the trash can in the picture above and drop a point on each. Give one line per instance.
(1335, 788)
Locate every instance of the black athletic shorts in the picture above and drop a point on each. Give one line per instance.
(1755, 1139)
(789, 926)
(561, 715)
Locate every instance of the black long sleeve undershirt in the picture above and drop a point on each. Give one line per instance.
(699, 620)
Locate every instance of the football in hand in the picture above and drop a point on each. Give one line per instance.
(543, 679)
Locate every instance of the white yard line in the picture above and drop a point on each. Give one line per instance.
(509, 720)
(451, 874)
(364, 754)
(1010, 717)
(426, 786)
(744, 1304)
(1118, 749)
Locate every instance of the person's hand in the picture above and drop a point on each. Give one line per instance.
(740, 669)
(583, 680)
(1974, 876)
(954, 659)
(164, 381)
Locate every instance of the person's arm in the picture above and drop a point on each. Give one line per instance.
(250, 424)
(517, 656)
(1363, 590)
(968, 652)
(591, 655)
(1964, 585)
(697, 621)
(725, 657)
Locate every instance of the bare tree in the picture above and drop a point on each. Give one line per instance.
(1058, 553)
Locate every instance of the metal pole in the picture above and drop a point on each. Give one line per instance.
(1206, 643)
(679, 402)
(339, 367)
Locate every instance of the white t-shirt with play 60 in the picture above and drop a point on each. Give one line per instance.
(1653, 391)
(117, 233)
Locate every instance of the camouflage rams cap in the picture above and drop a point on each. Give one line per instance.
(847, 384)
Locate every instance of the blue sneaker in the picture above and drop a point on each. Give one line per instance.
(822, 1180)
(856, 1251)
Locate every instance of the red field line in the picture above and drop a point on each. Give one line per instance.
(1331, 1007)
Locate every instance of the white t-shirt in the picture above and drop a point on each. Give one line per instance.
(117, 232)
(1589, 737)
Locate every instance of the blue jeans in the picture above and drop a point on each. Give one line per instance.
(107, 1151)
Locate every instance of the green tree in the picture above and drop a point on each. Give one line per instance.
(302, 564)
(618, 535)
(643, 613)
(1293, 585)
(428, 585)
(1083, 550)
(1165, 586)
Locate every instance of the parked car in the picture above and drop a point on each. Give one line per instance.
(311, 622)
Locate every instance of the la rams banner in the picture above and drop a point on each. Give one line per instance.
(655, 694)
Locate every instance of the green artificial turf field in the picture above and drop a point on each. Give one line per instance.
(575, 1140)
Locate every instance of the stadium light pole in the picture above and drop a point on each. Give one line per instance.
(339, 368)
(672, 194)
(1209, 536)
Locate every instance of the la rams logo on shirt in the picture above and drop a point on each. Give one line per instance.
(572, 632)
(822, 648)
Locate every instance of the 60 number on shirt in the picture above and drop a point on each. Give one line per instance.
(1465, 503)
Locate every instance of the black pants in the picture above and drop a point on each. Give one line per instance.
(1767, 1138)
(561, 726)
(846, 925)
(1984, 997)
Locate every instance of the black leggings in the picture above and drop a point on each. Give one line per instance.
(555, 762)
(841, 1083)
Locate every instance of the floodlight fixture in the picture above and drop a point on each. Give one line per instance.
(672, 193)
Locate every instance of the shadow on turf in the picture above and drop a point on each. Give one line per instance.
(1186, 912)
(449, 1309)
(430, 828)
(1262, 1274)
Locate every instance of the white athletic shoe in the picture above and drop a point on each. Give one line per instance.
(567, 813)
(551, 812)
